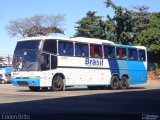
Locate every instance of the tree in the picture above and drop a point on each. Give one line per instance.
(120, 27)
(141, 18)
(90, 26)
(150, 37)
(36, 26)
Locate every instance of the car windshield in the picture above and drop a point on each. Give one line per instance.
(25, 61)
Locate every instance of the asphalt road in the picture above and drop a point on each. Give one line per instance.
(139, 102)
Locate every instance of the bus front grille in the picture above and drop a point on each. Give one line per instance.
(22, 83)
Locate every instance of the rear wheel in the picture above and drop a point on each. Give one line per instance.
(124, 83)
(114, 83)
(57, 83)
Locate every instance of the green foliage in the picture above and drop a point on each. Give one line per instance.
(119, 28)
(90, 26)
(150, 37)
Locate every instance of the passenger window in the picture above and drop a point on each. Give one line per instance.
(141, 54)
(65, 48)
(81, 49)
(109, 52)
(50, 46)
(121, 53)
(96, 51)
(132, 54)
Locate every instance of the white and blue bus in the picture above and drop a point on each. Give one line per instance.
(55, 63)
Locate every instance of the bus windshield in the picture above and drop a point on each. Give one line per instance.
(26, 56)
(25, 61)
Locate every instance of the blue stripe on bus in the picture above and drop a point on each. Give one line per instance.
(137, 72)
(114, 67)
(134, 69)
(30, 81)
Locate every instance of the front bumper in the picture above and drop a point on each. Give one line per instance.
(25, 82)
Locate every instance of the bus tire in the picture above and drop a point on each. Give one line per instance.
(114, 83)
(2, 81)
(57, 83)
(34, 88)
(124, 83)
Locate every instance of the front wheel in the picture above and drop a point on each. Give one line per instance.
(2, 81)
(57, 83)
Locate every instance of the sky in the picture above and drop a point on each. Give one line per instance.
(73, 10)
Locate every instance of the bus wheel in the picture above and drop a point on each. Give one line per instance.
(114, 83)
(2, 81)
(57, 84)
(34, 88)
(124, 84)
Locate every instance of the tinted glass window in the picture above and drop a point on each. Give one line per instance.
(109, 51)
(81, 49)
(53, 62)
(141, 54)
(65, 48)
(132, 54)
(23, 45)
(50, 46)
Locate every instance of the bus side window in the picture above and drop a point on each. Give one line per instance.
(85, 50)
(50, 46)
(96, 51)
(69, 48)
(121, 53)
(132, 54)
(109, 52)
(141, 55)
(106, 55)
(65, 48)
(81, 49)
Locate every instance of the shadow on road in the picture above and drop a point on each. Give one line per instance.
(124, 105)
(78, 89)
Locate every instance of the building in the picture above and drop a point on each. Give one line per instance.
(6, 59)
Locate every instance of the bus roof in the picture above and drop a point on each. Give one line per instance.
(128, 46)
(75, 39)
(81, 39)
